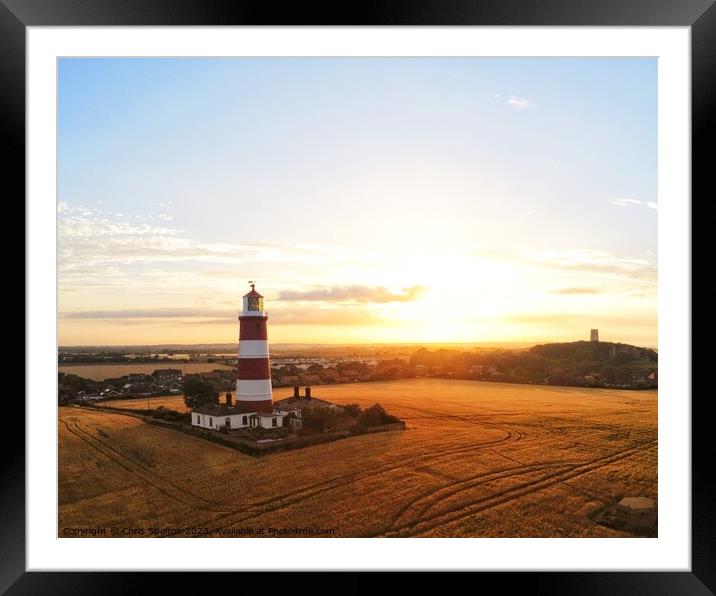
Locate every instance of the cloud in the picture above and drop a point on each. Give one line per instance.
(98, 250)
(576, 291)
(352, 294)
(327, 316)
(621, 202)
(519, 103)
(588, 320)
(198, 316)
(147, 313)
(601, 262)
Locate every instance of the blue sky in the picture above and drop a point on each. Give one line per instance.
(329, 164)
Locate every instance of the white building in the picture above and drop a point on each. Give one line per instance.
(216, 417)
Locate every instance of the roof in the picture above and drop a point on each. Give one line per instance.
(222, 410)
(253, 293)
(301, 402)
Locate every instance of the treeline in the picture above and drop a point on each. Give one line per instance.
(112, 358)
(582, 363)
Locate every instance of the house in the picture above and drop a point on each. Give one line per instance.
(110, 392)
(265, 420)
(164, 376)
(218, 416)
(297, 402)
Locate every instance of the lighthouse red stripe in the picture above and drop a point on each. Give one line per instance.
(251, 328)
(253, 369)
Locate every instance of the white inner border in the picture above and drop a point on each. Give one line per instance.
(671, 551)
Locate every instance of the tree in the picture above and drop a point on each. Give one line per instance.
(353, 410)
(320, 419)
(375, 416)
(198, 391)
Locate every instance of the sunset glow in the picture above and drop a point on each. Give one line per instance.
(372, 200)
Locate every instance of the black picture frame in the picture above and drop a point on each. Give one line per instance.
(699, 15)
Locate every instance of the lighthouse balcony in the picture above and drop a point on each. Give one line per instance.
(253, 313)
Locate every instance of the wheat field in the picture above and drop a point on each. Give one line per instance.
(100, 372)
(476, 460)
(174, 402)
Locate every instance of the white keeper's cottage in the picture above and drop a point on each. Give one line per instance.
(218, 416)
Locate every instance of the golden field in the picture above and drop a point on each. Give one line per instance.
(174, 402)
(100, 372)
(476, 459)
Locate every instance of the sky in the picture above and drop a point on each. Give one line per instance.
(373, 200)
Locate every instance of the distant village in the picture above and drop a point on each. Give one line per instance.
(581, 364)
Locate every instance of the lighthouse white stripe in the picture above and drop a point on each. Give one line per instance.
(253, 348)
(253, 390)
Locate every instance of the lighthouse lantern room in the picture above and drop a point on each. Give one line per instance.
(253, 371)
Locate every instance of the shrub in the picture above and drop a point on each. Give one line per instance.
(375, 416)
(353, 410)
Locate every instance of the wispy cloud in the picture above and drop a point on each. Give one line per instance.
(520, 103)
(576, 291)
(601, 262)
(98, 249)
(354, 293)
(146, 313)
(325, 316)
(622, 202)
(589, 320)
(354, 315)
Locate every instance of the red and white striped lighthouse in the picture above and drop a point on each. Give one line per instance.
(253, 372)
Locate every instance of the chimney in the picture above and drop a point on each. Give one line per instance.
(308, 392)
(228, 398)
(296, 391)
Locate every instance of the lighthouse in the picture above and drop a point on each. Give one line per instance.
(253, 372)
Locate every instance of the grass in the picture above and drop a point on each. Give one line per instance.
(477, 459)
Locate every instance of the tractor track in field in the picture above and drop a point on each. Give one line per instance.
(420, 515)
(462, 511)
(287, 499)
(141, 471)
(277, 503)
(423, 503)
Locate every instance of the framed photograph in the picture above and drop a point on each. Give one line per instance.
(405, 292)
